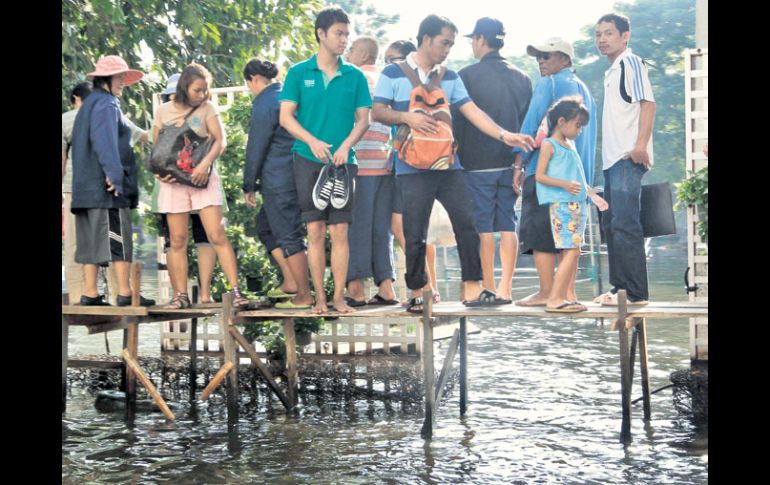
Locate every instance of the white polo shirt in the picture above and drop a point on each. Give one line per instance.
(626, 83)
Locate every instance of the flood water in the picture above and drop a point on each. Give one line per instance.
(544, 407)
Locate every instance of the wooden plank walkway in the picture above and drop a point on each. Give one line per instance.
(623, 317)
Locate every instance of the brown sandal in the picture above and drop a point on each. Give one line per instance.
(179, 302)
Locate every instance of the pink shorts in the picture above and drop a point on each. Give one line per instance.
(179, 198)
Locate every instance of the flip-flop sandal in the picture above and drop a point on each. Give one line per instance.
(378, 300)
(504, 301)
(278, 294)
(415, 302)
(436, 298)
(607, 299)
(290, 305)
(528, 304)
(353, 303)
(566, 307)
(485, 298)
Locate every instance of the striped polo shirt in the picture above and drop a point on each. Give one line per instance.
(373, 150)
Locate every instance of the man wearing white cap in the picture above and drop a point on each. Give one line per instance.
(502, 91)
(554, 57)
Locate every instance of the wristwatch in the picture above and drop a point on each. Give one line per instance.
(502, 134)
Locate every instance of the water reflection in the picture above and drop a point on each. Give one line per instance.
(544, 407)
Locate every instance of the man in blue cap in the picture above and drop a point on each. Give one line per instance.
(502, 91)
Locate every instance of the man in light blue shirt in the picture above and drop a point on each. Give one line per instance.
(554, 58)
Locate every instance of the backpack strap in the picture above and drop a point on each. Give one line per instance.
(410, 74)
(435, 81)
(191, 112)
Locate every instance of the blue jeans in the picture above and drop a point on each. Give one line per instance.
(369, 236)
(622, 229)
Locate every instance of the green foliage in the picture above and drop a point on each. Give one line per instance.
(694, 191)
(367, 20)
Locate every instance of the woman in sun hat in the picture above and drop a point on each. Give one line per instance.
(104, 181)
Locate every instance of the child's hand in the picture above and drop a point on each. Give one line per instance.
(573, 187)
(601, 204)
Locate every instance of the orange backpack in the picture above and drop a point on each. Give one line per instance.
(434, 151)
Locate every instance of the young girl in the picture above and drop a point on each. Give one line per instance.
(562, 184)
(177, 201)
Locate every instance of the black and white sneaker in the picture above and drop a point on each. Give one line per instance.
(341, 190)
(322, 190)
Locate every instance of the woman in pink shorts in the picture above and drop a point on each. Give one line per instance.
(177, 201)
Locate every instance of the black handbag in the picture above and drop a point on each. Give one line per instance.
(657, 210)
(177, 151)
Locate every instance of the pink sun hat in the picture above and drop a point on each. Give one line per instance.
(112, 65)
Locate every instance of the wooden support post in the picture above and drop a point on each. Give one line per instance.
(230, 356)
(134, 366)
(136, 279)
(641, 325)
(632, 359)
(463, 344)
(625, 369)
(65, 330)
(193, 348)
(446, 368)
(427, 363)
(291, 361)
(262, 368)
(131, 340)
(214, 383)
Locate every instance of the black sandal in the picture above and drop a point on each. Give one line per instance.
(415, 302)
(179, 302)
(485, 298)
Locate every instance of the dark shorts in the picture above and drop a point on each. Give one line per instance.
(103, 235)
(535, 225)
(494, 198)
(198, 232)
(305, 176)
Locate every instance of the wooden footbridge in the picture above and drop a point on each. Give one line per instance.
(105, 318)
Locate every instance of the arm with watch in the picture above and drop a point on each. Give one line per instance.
(486, 125)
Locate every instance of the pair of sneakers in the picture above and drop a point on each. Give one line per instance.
(332, 186)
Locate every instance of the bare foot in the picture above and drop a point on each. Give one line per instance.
(320, 307)
(297, 300)
(506, 295)
(341, 306)
(535, 299)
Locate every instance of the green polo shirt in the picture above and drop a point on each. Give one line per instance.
(326, 107)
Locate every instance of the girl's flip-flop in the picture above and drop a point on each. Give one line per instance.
(378, 300)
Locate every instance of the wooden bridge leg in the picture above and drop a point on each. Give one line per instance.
(231, 356)
(262, 368)
(463, 366)
(641, 326)
(447, 367)
(427, 363)
(625, 369)
(291, 361)
(193, 349)
(131, 341)
(64, 354)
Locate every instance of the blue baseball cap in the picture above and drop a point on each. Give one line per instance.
(489, 28)
(171, 84)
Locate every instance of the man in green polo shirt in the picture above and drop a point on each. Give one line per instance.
(325, 105)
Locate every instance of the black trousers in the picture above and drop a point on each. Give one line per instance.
(419, 190)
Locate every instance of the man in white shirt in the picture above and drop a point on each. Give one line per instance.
(628, 115)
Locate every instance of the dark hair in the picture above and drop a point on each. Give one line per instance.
(493, 42)
(81, 90)
(621, 21)
(403, 46)
(370, 43)
(100, 81)
(190, 73)
(432, 25)
(328, 17)
(263, 68)
(569, 108)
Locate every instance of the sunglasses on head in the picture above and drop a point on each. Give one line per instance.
(543, 55)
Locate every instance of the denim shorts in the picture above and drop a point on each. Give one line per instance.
(493, 198)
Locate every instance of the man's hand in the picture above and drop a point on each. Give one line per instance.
(518, 180)
(519, 140)
(320, 149)
(341, 156)
(422, 122)
(640, 156)
(251, 199)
